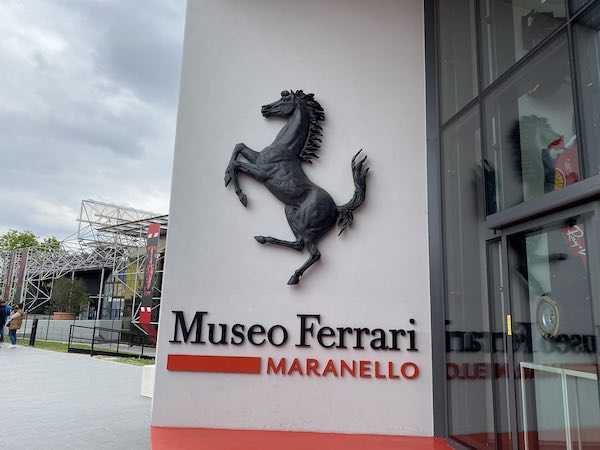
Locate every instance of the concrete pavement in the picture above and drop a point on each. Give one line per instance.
(51, 400)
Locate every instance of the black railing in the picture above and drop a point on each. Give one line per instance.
(110, 342)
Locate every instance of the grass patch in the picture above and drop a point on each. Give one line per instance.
(130, 361)
(46, 345)
(62, 347)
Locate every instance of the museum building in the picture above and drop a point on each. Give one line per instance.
(461, 299)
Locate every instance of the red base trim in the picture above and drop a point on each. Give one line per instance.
(211, 439)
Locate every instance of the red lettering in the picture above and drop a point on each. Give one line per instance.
(377, 373)
(482, 371)
(500, 370)
(330, 368)
(312, 365)
(391, 371)
(271, 367)
(296, 367)
(365, 369)
(346, 368)
(452, 374)
(405, 373)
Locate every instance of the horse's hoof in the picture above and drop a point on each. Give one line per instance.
(260, 239)
(244, 199)
(227, 179)
(294, 279)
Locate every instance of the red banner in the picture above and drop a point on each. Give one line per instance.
(21, 275)
(149, 278)
(9, 276)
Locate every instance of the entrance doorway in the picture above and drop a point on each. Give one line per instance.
(545, 303)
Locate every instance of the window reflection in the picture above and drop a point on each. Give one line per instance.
(554, 337)
(469, 369)
(510, 29)
(576, 4)
(531, 146)
(586, 32)
(458, 69)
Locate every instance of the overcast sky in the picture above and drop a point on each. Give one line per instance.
(88, 102)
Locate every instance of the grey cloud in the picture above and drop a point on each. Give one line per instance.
(87, 107)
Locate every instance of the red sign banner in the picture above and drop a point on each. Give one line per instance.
(21, 275)
(9, 276)
(149, 277)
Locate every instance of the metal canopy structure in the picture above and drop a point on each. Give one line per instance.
(110, 239)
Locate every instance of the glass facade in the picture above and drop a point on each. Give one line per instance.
(467, 317)
(510, 29)
(518, 86)
(530, 123)
(457, 50)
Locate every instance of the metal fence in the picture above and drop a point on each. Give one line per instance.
(49, 329)
(110, 342)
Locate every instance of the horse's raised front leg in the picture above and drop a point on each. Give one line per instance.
(246, 152)
(296, 245)
(315, 255)
(251, 169)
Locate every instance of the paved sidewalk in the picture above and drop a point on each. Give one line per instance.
(53, 400)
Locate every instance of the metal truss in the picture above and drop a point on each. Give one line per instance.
(110, 239)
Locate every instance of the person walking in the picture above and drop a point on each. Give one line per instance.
(3, 317)
(15, 321)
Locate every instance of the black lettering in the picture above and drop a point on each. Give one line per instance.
(185, 331)
(284, 335)
(461, 339)
(576, 341)
(238, 332)
(325, 332)
(379, 343)
(359, 333)
(256, 330)
(561, 343)
(589, 343)
(304, 329)
(395, 334)
(211, 333)
(472, 344)
(412, 338)
(343, 331)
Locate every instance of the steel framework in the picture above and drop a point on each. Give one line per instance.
(110, 239)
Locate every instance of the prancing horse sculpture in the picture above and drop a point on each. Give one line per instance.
(309, 209)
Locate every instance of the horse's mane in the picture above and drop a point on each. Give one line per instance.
(316, 114)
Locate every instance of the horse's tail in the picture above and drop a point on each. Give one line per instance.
(345, 215)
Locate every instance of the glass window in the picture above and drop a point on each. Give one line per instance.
(576, 4)
(555, 336)
(530, 130)
(511, 28)
(586, 32)
(470, 396)
(458, 69)
(501, 368)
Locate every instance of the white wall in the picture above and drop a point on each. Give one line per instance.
(364, 61)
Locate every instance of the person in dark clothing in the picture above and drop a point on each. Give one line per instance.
(3, 316)
(15, 321)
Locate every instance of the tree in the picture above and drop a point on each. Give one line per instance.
(50, 243)
(13, 239)
(69, 295)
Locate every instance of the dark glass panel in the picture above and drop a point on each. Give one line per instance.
(531, 146)
(470, 397)
(458, 69)
(586, 32)
(511, 28)
(576, 4)
(555, 337)
(500, 309)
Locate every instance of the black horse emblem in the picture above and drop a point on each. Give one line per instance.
(309, 209)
